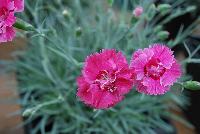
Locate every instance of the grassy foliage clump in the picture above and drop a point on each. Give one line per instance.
(68, 31)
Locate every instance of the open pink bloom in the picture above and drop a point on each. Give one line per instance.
(138, 11)
(19, 5)
(7, 18)
(155, 69)
(105, 79)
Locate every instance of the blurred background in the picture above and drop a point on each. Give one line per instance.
(11, 122)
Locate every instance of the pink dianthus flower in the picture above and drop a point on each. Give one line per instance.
(105, 79)
(155, 69)
(7, 18)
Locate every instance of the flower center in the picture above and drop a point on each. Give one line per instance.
(153, 69)
(3, 13)
(106, 81)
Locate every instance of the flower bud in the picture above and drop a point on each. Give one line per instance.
(137, 12)
(65, 13)
(192, 85)
(78, 31)
(28, 112)
(61, 98)
(163, 35)
(158, 28)
(164, 8)
(20, 24)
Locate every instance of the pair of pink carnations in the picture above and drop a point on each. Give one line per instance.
(7, 18)
(107, 77)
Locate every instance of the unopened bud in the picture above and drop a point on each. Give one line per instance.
(192, 85)
(158, 28)
(28, 112)
(20, 24)
(78, 31)
(163, 35)
(65, 13)
(61, 98)
(164, 8)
